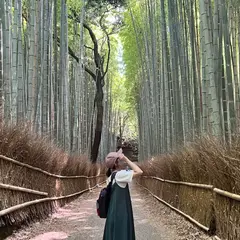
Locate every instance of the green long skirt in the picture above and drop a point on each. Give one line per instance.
(119, 223)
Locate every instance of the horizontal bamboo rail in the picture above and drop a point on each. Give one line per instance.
(177, 210)
(26, 204)
(227, 194)
(45, 172)
(198, 185)
(157, 178)
(21, 189)
(204, 186)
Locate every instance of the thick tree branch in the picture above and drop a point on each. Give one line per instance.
(108, 57)
(88, 47)
(109, 49)
(72, 54)
(97, 57)
(24, 17)
(90, 72)
(95, 44)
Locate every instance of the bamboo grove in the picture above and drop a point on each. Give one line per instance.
(47, 69)
(184, 62)
(59, 74)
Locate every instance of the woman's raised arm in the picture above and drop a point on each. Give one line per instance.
(137, 171)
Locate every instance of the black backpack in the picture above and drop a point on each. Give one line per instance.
(104, 199)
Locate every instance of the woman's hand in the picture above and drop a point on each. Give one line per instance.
(121, 156)
(136, 170)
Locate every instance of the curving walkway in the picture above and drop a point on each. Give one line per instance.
(78, 221)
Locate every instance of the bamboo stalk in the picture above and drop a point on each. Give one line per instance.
(45, 172)
(217, 238)
(21, 189)
(177, 210)
(26, 204)
(227, 194)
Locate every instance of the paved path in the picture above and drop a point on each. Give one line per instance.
(78, 221)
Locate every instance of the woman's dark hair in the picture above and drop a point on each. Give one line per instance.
(109, 172)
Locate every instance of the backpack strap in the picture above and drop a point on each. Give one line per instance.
(113, 176)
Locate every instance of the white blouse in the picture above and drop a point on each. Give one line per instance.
(122, 178)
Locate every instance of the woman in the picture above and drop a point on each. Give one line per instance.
(119, 224)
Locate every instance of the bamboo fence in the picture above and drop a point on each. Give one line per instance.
(28, 192)
(212, 209)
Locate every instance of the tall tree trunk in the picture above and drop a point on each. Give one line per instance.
(99, 120)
